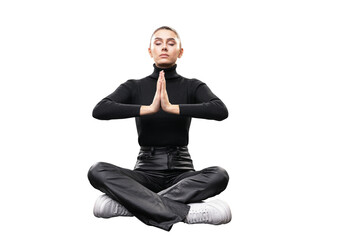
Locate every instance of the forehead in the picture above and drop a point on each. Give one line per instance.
(164, 34)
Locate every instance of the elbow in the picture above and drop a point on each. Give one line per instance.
(222, 114)
(225, 114)
(99, 113)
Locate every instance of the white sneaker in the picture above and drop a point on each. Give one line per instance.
(215, 212)
(106, 207)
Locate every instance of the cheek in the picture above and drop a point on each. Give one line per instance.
(155, 49)
(175, 53)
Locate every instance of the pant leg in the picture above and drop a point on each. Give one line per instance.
(132, 190)
(195, 186)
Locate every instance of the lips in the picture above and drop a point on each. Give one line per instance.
(164, 55)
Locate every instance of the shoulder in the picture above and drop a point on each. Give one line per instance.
(193, 82)
(135, 83)
(140, 81)
(127, 86)
(131, 83)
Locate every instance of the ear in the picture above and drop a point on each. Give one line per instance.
(149, 50)
(181, 53)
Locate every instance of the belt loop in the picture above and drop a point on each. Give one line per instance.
(177, 151)
(152, 149)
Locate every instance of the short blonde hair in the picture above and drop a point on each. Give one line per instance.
(167, 28)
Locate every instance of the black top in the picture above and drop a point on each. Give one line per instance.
(194, 98)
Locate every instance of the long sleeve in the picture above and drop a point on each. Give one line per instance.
(205, 104)
(118, 105)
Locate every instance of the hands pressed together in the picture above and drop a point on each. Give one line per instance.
(161, 99)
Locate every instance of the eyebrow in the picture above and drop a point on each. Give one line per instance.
(169, 39)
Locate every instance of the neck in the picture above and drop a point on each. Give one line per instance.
(170, 72)
(164, 66)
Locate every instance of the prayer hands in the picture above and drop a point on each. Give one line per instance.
(161, 99)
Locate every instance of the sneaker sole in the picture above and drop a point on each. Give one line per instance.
(225, 208)
(99, 205)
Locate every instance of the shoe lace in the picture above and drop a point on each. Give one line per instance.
(120, 209)
(199, 216)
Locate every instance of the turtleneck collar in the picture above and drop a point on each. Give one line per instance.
(169, 72)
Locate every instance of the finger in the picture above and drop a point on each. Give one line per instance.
(161, 75)
(158, 81)
(163, 85)
(158, 87)
(163, 80)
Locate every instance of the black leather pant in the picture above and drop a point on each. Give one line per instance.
(158, 197)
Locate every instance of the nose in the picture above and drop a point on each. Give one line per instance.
(164, 47)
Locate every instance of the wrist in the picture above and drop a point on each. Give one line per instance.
(173, 109)
(146, 110)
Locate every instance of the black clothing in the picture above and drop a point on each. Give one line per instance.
(164, 179)
(164, 158)
(194, 98)
(157, 198)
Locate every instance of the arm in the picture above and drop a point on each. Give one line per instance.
(117, 105)
(206, 104)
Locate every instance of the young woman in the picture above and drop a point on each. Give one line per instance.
(163, 188)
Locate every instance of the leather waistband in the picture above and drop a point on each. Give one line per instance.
(163, 149)
(164, 158)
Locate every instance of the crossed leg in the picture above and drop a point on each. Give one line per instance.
(196, 186)
(137, 192)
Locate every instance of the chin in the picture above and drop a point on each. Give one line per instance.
(165, 64)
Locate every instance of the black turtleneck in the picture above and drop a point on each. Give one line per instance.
(194, 98)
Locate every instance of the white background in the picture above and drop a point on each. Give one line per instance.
(288, 72)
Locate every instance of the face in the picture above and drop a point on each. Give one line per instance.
(165, 48)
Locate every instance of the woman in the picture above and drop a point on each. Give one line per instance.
(163, 188)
